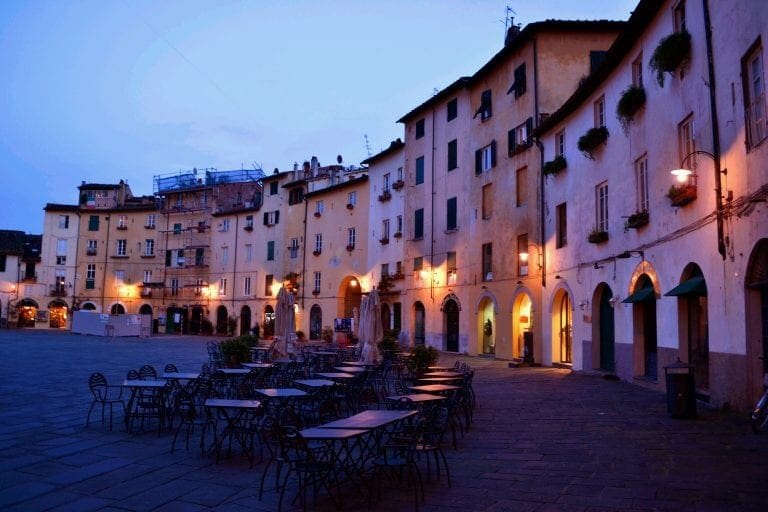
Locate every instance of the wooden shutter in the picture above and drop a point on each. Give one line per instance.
(479, 161)
(277, 216)
(493, 153)
(528, 130)
(266, 218)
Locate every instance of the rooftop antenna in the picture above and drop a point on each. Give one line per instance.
(509, 17)
(367, 145)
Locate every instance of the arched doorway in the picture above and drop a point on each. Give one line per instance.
(487, 326)
(603, 329)
(27, 313)
(57, 314)
(693, 324)
(221, 320)
(117, 309)
(386, 316)
(269, 321)
(451, 322)
(756, 284)
(419, 324)
(315, 322)
(196, 320)
(643, 300)
(350, 296)
(88, 306)
(245, 320)
(563, 328)
(145, 309)
(522, 328)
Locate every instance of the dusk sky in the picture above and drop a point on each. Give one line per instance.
(122, 89)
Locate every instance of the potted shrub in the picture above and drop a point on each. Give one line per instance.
(555, 166)
(681, 195)
(637, 220)
(384, 241)
(597, 236)
(234, 351)
(671, 53)
(316, 252)
(351, 247)
(591, 140)
(388, 344)
(398, 184)
(327, 334)
(423, 358)
(386, 196)
(632, 99)
(350, 206)
(318, 214)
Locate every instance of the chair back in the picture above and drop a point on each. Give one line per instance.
(170, 368)
(403, 404)
(98, 385)
(132, 375)
(147, 372)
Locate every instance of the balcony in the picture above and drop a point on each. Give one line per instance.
(398, 276)
(248, 227)
(351, 247)
(90, 252)
(384, 240)
(149, 226)
(398, 234)
(350, 206)
(58, 291)
(385, 196)
(122, 227)
(398, 184)
(32, 278)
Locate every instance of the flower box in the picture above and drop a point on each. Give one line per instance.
(591, 140)
(350, 248)
(386, 196)
(398, 184)
(315, 292)
(383, 241)
(398, 276)
(350, 206)
(317, 253)
(398, 235)
(318, 214)
(671, 52)
(681, 195)
(555, 166)
(637, 220)
(248, 228)
(597, 237)
(632, 99)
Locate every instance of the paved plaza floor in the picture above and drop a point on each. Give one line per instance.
(543, 440)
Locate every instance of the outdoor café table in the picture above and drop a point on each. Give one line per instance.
(441, 368)
(181, 375)
(137, 386)
(233, 412)
(437, 380)
(314, 383)
(322, 353)
(281, 392)
(257, 366)
(232, 375)
(349, 369)
(373, 419)
(434, 388)
(338, 442)
(359, 363)
(444, 374)
(341, 377)
(260, 352)
(418, 398)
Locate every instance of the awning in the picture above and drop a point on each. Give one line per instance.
(693, 286)
(641, 295)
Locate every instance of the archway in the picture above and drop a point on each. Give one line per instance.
(451, 323)
(693, 324)
(522, 327)
(57, 314)
(145, 309)
(221, 320)
(245, 320)
(196, 320)
(386, 316)
(117, 309)
(88, 306)
(27, 313)
(419, 324)
(487, 325)
(350, 296)
(562, 328)
(643, 300)
(315, 322)
(269, 321)
(603, 329)
(756, 290)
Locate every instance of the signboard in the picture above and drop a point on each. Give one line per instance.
(42, 315)
(343, 324)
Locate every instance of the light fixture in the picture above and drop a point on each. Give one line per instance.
(682, 175)
(613, 301)
(524, 255)
(353, 283)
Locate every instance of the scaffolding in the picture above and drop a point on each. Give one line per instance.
(202, 178)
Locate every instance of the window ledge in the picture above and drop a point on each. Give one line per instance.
(451, 231)
(119, 257)
(145, 256)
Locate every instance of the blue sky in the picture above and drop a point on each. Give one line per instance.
(126, 89)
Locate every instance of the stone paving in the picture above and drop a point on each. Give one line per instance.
(543, 440)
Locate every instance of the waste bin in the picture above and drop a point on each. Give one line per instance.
(681, 390)
(155, 326)
(528, 347)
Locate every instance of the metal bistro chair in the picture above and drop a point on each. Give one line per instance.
(311, 468)
(193, 414)
(431, 440)
(105, 395)
(395, 459)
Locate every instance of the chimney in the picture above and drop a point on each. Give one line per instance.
(512, 32)
(315, 164)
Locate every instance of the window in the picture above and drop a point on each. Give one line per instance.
(318, 282)
(151, 221)
(418, 224)
(599, 107)
(147, 276)
(485, 158)
(561, 226)
(199, 257)
(93, 223)
(687, 141)
(224, 255)
(63, 221)
(351, 236)
(418, 263)
(352, 198)
(519, 138)
(247, 286)
(60, 280)
(249, 222)
(450, 267)
(204, 198)
(319, 242)
(452, 110)
(61, 251)
(397, 316)
(224, 226)
(399, 174)
(596, 57)
(487, 201)
(487, 262)
(419, 178)
(518, 86)
(385, 182)
(319, 207)
(384, 270)
(174, 286)
(177, 228)
(271, 218)
(3, 259)
(180, 260)
(223, 286)
(296, 195)
(484, 110)
(91, 248)
(121, 248)
(637, 71)
(385, 229)
(560, 143)
(149, 247)
(521, 186)
(90, 276)
(450, 214)
(179, 202)
(268, 281)
(601, 206)
(522, 248)
(754, 95)
(248, 253)
(641, 182)
(679, 14)
(272, 188)
(453, 155)
(419, 128)
(120, 277)
(271, 250)
(122, 222)
(294, 248)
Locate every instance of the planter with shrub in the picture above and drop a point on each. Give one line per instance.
(555, 166)
(681, 195)
(671, 53)
(637, 220)
(597, 237)
(590, 141)
(632, 99)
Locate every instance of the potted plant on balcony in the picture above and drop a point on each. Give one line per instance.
(597, 236)
(671, 53)
(681, 195)
(637, 220)
(351, 247)
(384, 240)
(632, 99)
(316, 252)
(591, 140)
(385, 196)
(398, 234)
(350, 206)
(398, 184)
(318, 214)
(555, 166)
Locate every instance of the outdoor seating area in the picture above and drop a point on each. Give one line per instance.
(319, 424)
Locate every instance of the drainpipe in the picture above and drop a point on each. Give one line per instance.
(542, 219)
(108, 218)
(304, 254)
(234, 262)
(432, 216)
(715, 131)
(74, 279)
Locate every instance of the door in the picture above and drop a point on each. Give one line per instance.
(315, 323)
(196, 320)
(607, 333)
(649, 335)
(451, 312)
(419, 334)
(566, 329)
(245, 320)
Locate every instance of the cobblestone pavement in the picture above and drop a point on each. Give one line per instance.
(543, 440)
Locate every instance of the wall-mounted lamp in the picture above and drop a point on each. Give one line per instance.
(525, 255)
(628, 254)
(613, 301)
(558, 276)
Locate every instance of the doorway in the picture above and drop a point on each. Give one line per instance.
(419, 327)
(245, 320)
(451, 319)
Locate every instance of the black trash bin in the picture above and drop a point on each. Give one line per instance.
(681, 390)
(155, 326)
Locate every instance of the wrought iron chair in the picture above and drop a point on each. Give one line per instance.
(105, 395)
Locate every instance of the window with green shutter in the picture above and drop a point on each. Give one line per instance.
(271, 250)
(418, 223)
(419, 170)
(451, 214)
(93, 223)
